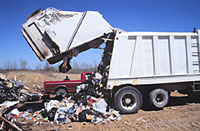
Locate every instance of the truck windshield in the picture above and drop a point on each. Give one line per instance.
(86, 76)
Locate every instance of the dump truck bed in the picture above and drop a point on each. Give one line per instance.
(53, 33)
(141, 58)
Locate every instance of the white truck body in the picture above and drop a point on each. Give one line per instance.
(143, 58)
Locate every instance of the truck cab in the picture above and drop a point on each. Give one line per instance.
(64, 87)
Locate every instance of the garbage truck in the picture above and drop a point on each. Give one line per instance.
(137, 67)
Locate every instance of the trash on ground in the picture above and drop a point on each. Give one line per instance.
(86, 105)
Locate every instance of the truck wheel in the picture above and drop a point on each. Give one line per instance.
(128, 100)
(62, 92)
(159, 98)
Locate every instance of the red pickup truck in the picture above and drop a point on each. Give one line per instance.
(66, 86)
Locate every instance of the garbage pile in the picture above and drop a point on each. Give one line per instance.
(87, 104)
(13, 91)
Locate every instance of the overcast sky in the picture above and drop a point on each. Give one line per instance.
(129, 15)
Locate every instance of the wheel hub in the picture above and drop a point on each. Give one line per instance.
(159, 98)
(127, 100)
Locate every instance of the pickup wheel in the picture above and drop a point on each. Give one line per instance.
(62, 92)
(158, 98)
(128, 100)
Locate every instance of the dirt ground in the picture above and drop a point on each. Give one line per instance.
(182, 113)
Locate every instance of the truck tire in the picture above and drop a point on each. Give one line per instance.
(158, 98)
(128, 100)
(62, 92)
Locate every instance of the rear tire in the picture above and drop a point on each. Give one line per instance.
(128, 100)
(62, 92)
(159, 98)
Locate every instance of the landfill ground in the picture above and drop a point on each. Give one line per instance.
(182, 113)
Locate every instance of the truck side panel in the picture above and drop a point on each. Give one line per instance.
(69, 85)
(151, 54)
(52, 86)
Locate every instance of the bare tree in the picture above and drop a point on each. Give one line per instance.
(95, 64)
(23, 64)
(38, 67)
(75, 64)
(90, 67)
(46, 66)
(8, 65)
(84, 65)
(15, 65)
(75, 67)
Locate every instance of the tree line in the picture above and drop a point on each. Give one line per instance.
(77, 67)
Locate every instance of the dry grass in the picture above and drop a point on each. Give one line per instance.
(2, 76)
(30, 78)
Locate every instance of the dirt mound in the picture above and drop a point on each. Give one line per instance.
(2, 76)
(31, 78)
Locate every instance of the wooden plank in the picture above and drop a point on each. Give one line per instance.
(10, 123)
